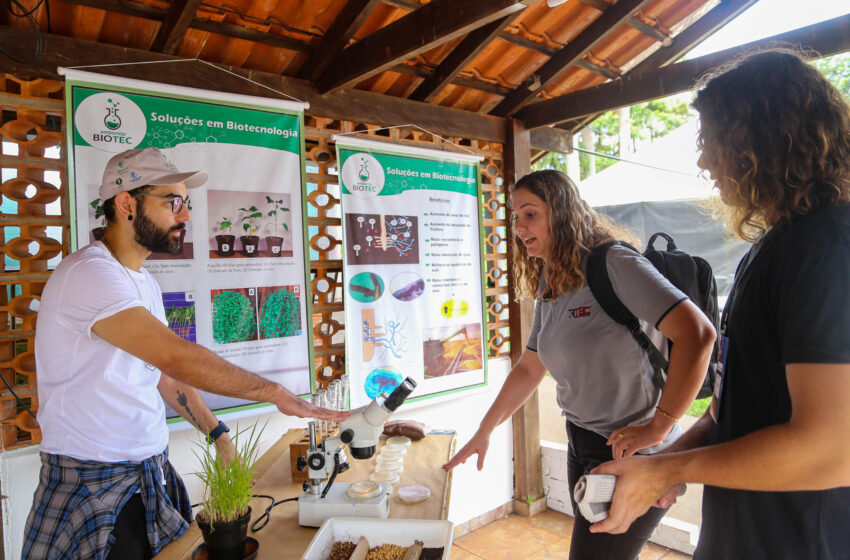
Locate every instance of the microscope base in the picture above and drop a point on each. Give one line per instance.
(313, 510)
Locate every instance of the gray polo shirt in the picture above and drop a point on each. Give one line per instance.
(604, 378)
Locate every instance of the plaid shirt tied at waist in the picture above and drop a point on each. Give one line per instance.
(76, 503)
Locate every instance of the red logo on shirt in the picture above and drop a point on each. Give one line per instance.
(579, 312)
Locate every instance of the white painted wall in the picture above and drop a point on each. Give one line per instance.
(473, 493)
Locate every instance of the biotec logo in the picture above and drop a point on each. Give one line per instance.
(363, 175)
(110, 122)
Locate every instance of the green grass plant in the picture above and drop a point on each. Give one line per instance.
(228, 485)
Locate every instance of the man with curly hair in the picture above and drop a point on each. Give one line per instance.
(772, 451)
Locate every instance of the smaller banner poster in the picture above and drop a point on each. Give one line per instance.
(412, 264)
(238, 282)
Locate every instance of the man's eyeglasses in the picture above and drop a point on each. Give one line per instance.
(177, 201)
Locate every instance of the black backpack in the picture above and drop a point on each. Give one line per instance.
(690, 274)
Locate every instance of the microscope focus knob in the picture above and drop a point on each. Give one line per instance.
(316, 461)
(347, 436)
(301, 463)
(305, 485)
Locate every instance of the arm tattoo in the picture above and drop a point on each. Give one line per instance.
(184, 402)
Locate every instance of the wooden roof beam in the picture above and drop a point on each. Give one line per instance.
(177, 20)
(827, 38)
(219, 27)
(574, 51)
(686, 40)
(351, 18)
(421, 30)
(459, 58)
(358, 106)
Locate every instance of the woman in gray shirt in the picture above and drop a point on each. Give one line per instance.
(605, 386)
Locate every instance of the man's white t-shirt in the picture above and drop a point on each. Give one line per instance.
(96, 402)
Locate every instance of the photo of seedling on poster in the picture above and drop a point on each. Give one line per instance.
(280, 311)
(249, 224)
(234, 315)
(180, 314)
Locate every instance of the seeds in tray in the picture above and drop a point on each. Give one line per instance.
(341, 550)
(387, 552)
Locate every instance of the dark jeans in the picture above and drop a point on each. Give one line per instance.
(588, 450)
(131, 540)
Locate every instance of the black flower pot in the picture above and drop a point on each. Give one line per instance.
(225, 245)
(225, 541)
(250, 245)
(273, 245)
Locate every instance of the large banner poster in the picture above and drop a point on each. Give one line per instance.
(412, 263)
(239, 284)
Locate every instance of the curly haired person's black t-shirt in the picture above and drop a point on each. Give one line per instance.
(791, 305)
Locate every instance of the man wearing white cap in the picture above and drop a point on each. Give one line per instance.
(106, 361)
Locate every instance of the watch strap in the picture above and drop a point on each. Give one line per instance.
(217, 431)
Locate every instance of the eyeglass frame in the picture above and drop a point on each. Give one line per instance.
(184, 202)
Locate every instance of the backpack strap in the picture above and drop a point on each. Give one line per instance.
(600, 286)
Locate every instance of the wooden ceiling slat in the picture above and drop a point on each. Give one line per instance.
(459, 58)
(354, 105)
(221, 28)
(419, 31)
(346, 24)
(826, 38)
(177, 20)
(575, 50)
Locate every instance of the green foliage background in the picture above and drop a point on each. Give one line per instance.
(234, 319)
(654, 119)
(280, 315)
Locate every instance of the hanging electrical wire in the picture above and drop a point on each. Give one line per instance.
(27, 14)
(617, 158)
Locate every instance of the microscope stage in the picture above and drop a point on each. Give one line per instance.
(314, 510)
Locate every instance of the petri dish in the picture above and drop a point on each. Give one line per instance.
(413, 494)
(398, 442)
(363, 490)
(386, 477)
(389, 467)
(389, 459)
(390, 455)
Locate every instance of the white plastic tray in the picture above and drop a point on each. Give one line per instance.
(402, 532)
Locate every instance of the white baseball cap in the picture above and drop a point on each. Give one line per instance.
(148, 166)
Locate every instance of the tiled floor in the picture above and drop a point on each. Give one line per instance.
(546, 535)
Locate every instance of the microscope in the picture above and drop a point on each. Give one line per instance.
(360, 431)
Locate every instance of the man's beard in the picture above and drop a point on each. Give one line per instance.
(153, 238)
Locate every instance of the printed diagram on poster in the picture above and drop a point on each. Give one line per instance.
(236, 281)
(413, 279)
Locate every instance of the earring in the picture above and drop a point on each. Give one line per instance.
(129, 217)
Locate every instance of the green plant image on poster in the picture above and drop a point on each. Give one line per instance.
(181, 319)
(280, 315)
(234, 319)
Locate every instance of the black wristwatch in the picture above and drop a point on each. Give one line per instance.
(217, 431)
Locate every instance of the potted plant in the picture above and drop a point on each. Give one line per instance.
(250, 241)
(274, 243)
(99, 214)
(228, 489)
(225, 239)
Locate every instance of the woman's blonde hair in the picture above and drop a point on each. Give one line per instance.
(775, 135)
(574, 229)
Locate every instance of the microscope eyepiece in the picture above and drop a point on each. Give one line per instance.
(399, 394)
